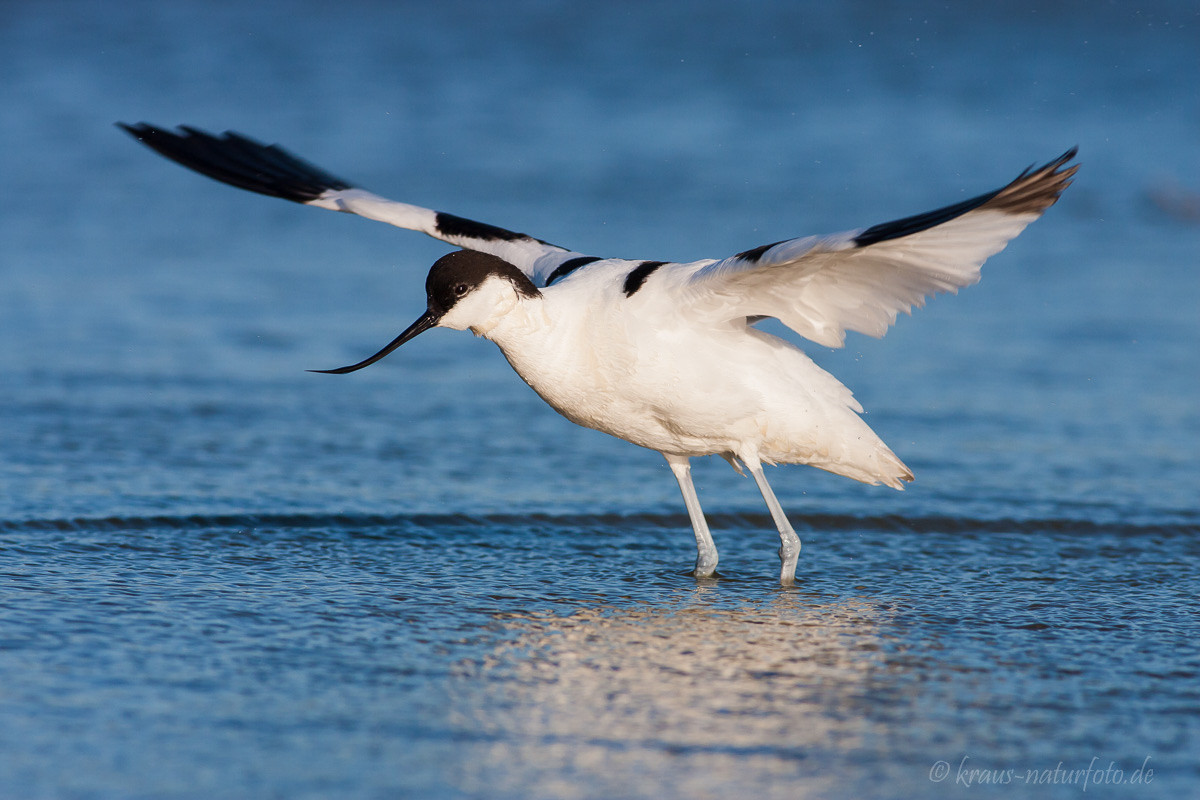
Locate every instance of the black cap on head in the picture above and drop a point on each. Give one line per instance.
(455, 275)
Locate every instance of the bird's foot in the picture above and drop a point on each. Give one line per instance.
(705, 568)
(789, 555)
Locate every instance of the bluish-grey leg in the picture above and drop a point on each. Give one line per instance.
(789, 542)
(706, 549)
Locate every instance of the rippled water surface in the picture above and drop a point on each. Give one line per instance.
(223, 576)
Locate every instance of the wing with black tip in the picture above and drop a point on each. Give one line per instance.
(860, 280)
(269, 169)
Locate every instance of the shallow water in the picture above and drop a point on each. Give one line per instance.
(222, 575)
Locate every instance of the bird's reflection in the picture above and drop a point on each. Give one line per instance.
(704, 699)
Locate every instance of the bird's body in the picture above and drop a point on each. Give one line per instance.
(638, 368)
(666, 355)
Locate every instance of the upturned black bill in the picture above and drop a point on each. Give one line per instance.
(423, 323)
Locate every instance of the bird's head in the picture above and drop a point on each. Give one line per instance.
(465, 289)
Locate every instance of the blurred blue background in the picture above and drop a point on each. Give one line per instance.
(155, 412)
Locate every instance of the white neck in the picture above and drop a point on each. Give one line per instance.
(524, 316)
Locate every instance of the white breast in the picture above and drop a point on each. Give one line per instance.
(635, 371)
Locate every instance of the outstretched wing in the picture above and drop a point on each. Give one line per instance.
(823, 286)
(269, 169)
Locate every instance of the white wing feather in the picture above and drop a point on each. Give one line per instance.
(861, 280)
(535, 258)
(819, 286)
(269, 169)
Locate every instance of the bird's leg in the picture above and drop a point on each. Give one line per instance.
(706, 549)
(789, 547)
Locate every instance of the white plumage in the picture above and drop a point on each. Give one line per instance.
(665, 355)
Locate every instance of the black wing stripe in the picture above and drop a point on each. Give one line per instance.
(919, 222)
(280, 162)
(240, 161)
(1032, 192)
(225, 157)
(269, 170)
(450, 225)
(570, 265)
(637, 276)
(753, 255)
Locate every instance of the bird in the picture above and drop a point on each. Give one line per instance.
(669, 355)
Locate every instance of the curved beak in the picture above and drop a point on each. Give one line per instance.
(423, 323)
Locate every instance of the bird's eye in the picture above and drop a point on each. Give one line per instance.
(460, 289)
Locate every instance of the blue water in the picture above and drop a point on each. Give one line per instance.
(223, 576)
